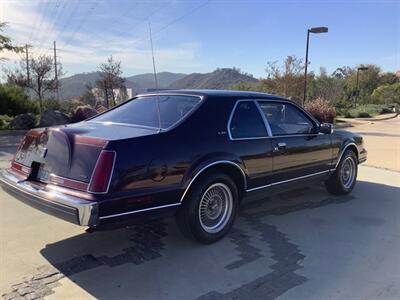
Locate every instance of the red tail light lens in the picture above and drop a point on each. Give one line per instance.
(102, 172)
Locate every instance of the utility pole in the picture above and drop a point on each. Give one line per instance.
(55, 70)
(28, 77)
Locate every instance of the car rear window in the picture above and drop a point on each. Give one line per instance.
(143, 111)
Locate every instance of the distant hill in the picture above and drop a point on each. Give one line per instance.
(75, 85)
(218, 79)
(164, 79)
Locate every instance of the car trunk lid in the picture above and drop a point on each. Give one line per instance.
(68, 155)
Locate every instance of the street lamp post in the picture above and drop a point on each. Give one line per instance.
(311, 30)
(357, 89)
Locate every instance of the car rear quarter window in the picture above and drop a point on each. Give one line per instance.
(143, 111)
(246, 121)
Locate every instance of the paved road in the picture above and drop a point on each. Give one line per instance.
(382, 140)
(303, 244)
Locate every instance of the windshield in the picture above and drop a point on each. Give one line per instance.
(143, 111)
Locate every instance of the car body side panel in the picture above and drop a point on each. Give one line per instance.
(303, 155)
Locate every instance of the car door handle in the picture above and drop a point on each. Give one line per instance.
(280, 146)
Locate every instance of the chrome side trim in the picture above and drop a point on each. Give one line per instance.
(341, 154)
(138, 211)
(289, 180)
(210, 165)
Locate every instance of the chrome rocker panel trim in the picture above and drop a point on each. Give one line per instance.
(75, 210)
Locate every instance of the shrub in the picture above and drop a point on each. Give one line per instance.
(70, 105)
(51, 104)
(14, 101)
(321, 109)
(386, 110)
(5, 121)
(82, 113)
(363, 114)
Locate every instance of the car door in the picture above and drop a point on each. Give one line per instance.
(298, 149)
(249, 139)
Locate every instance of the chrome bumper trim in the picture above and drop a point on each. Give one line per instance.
(87, 211)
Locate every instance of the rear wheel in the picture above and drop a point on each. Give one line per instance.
(342, 181)
(208, 211)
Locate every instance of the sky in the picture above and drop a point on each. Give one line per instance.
(202, 35)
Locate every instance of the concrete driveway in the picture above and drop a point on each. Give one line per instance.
(302, 244)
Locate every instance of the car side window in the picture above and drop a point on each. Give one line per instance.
(247, 122)
(286, 119)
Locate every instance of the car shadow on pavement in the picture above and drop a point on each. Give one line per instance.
(257, 260)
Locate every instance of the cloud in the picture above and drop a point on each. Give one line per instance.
(83, 49)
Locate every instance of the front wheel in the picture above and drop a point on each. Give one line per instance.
(343, 180)
(207, 214)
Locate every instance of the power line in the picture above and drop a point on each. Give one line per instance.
(45, 34)
(69, 18)
(193, 10)
(135, 25)
(83, 20)
(184, 16)
(36, 23)
(57, 18)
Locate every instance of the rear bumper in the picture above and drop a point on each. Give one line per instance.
(66, 207)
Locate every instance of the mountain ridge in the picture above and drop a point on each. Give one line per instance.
(75, 85)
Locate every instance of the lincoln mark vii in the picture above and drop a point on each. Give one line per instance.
(193, 154)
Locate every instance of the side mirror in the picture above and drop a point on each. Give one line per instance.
(326, 128)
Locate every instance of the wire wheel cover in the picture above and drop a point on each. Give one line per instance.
(215, 207)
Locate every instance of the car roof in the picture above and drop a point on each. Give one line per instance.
(217, 93)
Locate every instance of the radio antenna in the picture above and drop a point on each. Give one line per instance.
(155, 80)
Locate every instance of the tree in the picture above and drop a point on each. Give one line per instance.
(42, 78)
(368, 81)
(6, 44)
(287, 79)
(14, 101)
(330, 88)
(88, 97)
(387, 94)
(110, 80)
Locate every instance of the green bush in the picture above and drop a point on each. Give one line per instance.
(51, 104)
(365, 109)
(14, 101)
(363, 114)
(5, 121)
(386, 110)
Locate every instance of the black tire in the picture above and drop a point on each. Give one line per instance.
(337, 183)
(188, 216)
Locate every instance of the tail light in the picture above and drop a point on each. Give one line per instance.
(102, 172)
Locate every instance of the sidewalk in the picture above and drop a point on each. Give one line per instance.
(382, 140)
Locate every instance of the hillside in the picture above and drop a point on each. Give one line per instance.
(218, 79)
(221, 78)
(164, 79)
(75, 85)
